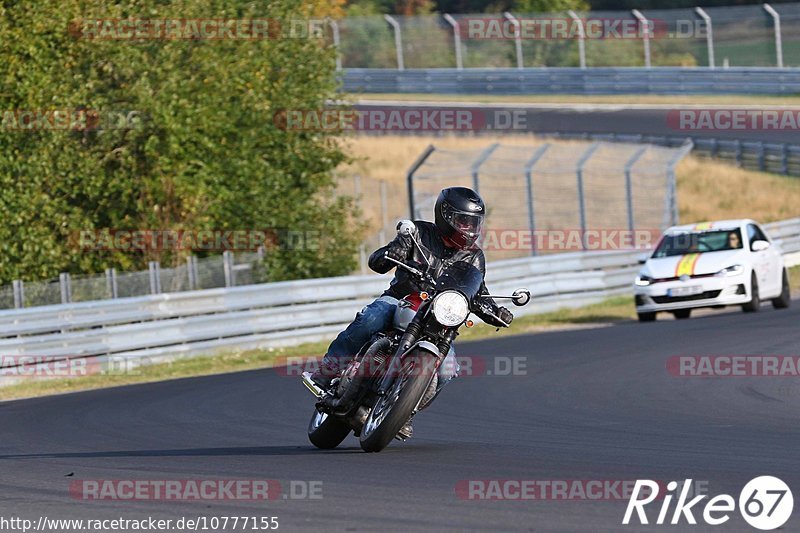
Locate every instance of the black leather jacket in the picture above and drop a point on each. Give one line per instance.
(440, 257)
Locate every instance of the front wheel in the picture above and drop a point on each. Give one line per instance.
(646, 317)
(393, 410)
(785, 299)
(755, 300)
(682, 314)
(326, 432)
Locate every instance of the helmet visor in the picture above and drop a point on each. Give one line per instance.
(466, 223)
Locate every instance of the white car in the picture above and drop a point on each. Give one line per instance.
(713, 264)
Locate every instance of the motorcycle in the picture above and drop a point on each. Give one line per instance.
(396, 374)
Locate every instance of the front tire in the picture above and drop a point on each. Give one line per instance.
(785, 299)
(682, 314)
(326, 432)
(755, 300)
(394, 409)
(646, 317)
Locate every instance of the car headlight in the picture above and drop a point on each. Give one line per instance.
(450, 308)
(734, 270)
(642, 280)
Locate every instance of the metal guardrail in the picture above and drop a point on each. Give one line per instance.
(593, 81)
(163, 327)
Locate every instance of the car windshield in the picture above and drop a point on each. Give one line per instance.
(699, 242)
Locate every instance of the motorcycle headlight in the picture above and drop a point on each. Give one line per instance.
(734, 270)
(450, 308)
(642, 280)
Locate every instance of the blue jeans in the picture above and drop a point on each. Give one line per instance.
(372, 319)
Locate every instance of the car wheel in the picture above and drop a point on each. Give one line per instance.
(785, 299)
(755, 300)
(646, 317)
(681, 314)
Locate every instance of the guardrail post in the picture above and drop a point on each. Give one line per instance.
(227, 268)
(336, 42)
(581, 37)
(111, 283)
(66, 287)
(645, 35)
(537, 155)
(776, 23)
(629, 183)
(517, 37)
(155, 278)
(398, 41)
(785, 159)
(476, 165)
(581, 200)
(19, 293)
(456, 39)
(410, 177)
(761, 157)
(191, 272)
(709, 34)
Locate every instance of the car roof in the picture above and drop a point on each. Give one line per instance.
(709, 226)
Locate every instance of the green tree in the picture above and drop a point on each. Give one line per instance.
(205, 154)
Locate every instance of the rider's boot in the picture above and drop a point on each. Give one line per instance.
(325, 374)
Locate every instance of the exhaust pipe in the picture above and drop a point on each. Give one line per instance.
(311, 386)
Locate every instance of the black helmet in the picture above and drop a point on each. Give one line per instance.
(459, 214)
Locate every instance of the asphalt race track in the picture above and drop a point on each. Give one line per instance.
(596, 404)
(620, 119)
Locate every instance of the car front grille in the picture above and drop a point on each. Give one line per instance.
(674, 299)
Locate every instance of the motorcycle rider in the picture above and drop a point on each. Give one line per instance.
(458, 214)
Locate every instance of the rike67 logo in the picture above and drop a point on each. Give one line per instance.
(765, 503)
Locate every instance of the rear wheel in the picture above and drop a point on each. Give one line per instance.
(646, 317)
(755, 300)
(326, 432)
(393, 410)
(785, 299)
(682, 314)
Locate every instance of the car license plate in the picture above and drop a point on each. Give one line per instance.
(685, 291)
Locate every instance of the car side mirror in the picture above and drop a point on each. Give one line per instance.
(642, 259)
(759, 246)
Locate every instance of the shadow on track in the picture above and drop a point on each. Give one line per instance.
(190, 452)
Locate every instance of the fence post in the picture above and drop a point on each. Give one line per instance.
(456, 39)
(629, 183)
(476, 165)
(672, 196)
(776, 22)
(517, 37)
(19, 293)
(645, 35)
(227, 268)
(336, 42)
(410, 176)
(66, 287)
(155, 278)
(191, 272)
(398, 41)
(709, 35)
(581, 200)
(111, 283)
(384, 211)
(581, 37)
(537, 155)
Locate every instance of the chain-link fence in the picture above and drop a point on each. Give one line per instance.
(541, 198)
(755, 35)
(230, 269)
